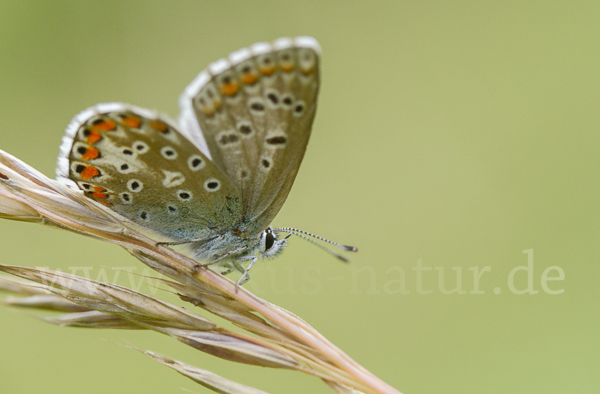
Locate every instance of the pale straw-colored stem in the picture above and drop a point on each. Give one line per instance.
(27, 195)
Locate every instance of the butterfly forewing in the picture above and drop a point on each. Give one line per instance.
(255, 111)
(139, 165)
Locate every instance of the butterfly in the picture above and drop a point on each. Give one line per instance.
(215, 180)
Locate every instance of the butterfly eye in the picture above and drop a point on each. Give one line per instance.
(269, 240)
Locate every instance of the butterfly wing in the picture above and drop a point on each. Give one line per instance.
(254, 113)
(140, 166)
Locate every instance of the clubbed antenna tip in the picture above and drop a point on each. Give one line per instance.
(349, 248)
(301, 234)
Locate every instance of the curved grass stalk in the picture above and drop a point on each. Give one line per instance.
(276, 338)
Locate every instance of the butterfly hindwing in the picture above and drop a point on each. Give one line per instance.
(255, 113)
(140, 166)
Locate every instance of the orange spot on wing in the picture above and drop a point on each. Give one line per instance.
(208, 111)
(93, 137)
(105, 125)
(230, 89)
(105, 203)
(267, 70)
(217, 105)
(287, 67)
(307, 70)
(99, 189)
(131, 121)
(89, 173)
(158, 126)
(100, 195)
(90, 154)
(250, 79)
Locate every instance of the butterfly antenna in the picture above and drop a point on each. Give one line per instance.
(345, 248)
(304, 234)
(325, 248)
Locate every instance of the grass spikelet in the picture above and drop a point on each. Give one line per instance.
(270, 337)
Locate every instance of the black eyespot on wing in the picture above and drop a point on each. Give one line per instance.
(184, 195)
(257, 106)
(79, 168)
(140, 146)
(212, 185)
(124, 167)
(245, 129)
(228, 139)
(278, 140)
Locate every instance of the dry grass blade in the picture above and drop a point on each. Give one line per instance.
(27, 195)
(239, 315)
(113, 299)
(341, 389)
(232, 348)
(207, 379)
(138, 309)
(92, 319)
(47, 302)
(21, 287)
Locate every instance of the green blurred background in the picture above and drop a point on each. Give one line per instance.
(458, 134)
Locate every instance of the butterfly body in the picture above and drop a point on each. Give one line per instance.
(215, 180)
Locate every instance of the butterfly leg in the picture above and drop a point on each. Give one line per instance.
(215, 261)
(245, 275)
(228, 269)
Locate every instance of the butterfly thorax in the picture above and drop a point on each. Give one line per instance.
(222, 245)
(238, 245)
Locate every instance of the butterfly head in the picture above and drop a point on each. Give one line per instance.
(270, 245)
